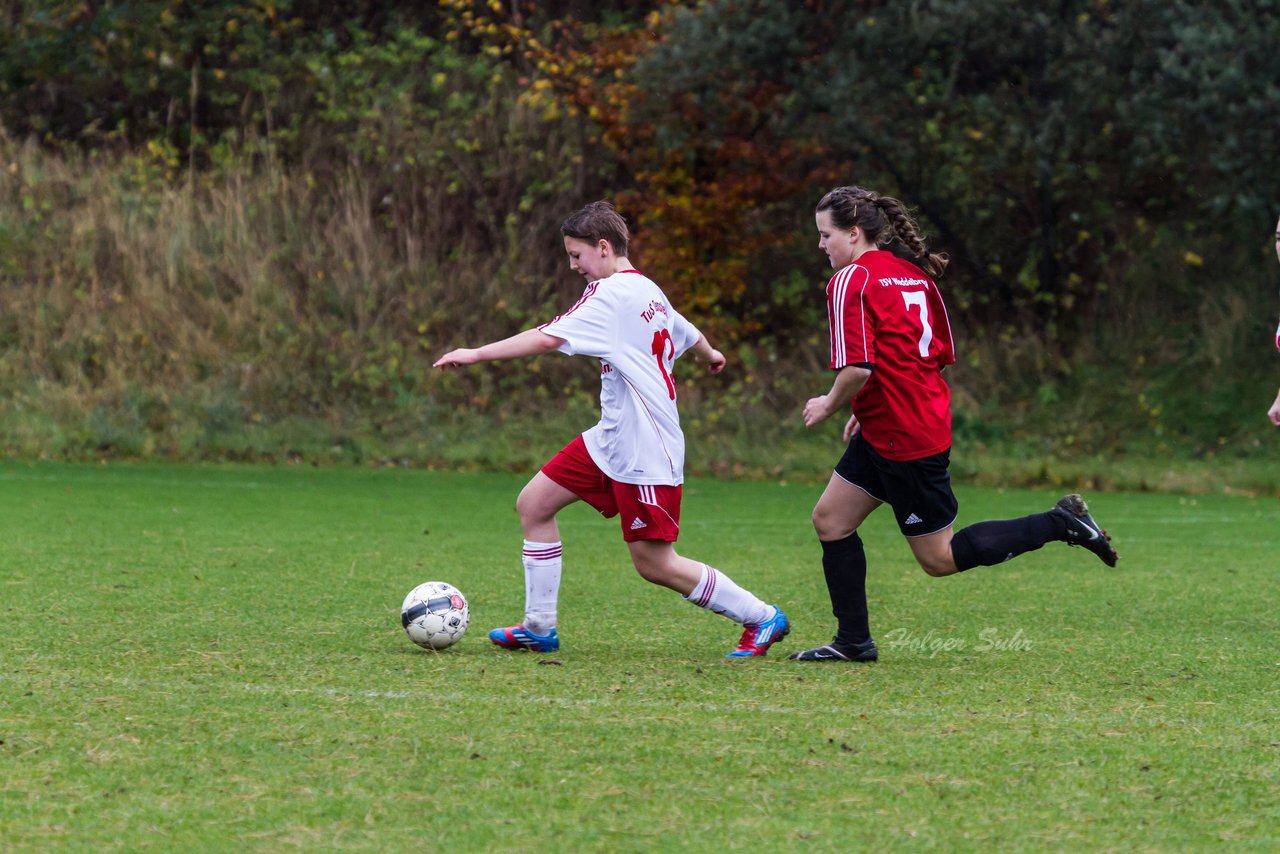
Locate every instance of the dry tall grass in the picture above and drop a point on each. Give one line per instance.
(258, 309)
(257, 292)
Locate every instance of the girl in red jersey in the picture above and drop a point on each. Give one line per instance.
(890, 341)
(1274, 412)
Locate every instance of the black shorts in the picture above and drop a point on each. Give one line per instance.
(919, 491)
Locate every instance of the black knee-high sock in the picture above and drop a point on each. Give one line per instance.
(844, 563)
(989, 543)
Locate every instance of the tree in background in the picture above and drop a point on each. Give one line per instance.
(1047, 147)
(1090, 165)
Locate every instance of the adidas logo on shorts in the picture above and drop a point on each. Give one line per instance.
(913, 519)
(638, 524)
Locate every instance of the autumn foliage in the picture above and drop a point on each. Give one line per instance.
(220, 213)
(696, 207)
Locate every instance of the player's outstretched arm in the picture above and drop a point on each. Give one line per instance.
(531, 342)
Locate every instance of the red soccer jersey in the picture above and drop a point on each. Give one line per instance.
(887, 315)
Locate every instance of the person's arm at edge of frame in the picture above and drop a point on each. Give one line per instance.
(531, 342)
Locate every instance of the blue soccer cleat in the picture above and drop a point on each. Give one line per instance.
(518, 637)
(758, 637)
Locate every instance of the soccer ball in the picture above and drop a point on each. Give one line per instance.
(435, 615)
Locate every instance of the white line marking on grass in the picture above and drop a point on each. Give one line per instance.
(1127, 720)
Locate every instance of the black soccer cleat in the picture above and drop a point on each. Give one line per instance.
(1082, 530)
(837, 651)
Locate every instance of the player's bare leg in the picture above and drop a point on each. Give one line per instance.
(539, 502)
(658, 562)
(933, 553)
(842, 509)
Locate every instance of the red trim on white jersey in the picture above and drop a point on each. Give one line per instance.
(586, 295)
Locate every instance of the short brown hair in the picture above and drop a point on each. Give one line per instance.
(598, 221)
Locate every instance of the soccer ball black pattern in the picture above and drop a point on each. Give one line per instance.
(435, 615)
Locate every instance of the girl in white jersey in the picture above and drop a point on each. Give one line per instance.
(630, 464)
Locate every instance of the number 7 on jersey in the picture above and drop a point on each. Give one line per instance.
(917, 299)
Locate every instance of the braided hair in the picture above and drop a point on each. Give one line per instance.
(886, 222)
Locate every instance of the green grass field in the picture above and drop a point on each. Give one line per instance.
(210, 659)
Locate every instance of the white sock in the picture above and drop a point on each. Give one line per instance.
(717, 593)
(541, 585)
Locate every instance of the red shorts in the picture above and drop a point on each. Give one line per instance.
(649, 512)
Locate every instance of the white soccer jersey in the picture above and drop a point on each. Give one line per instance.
(627, 322)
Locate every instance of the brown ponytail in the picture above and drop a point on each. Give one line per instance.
(886, 222)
